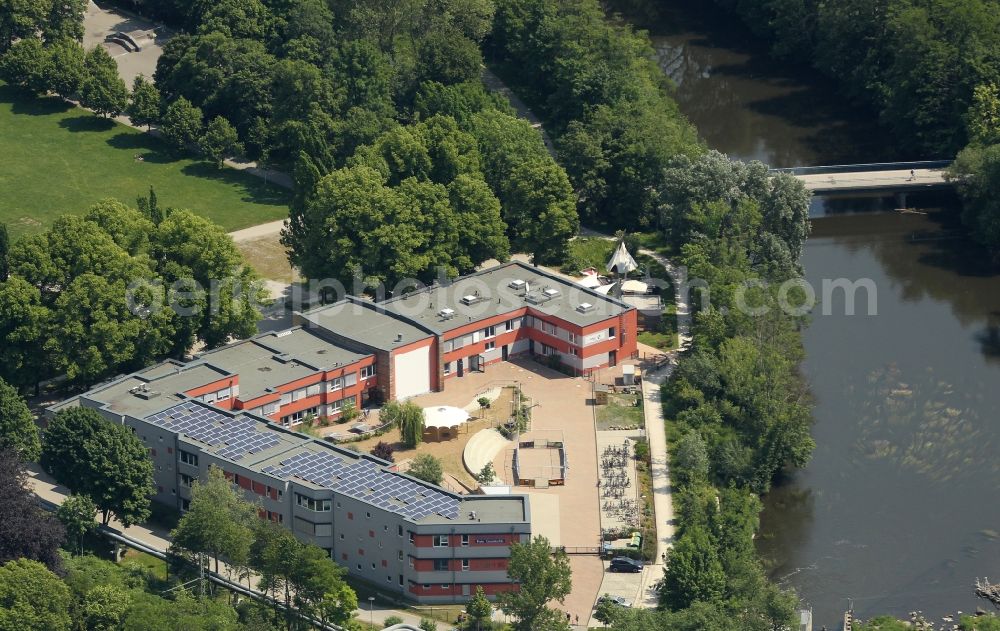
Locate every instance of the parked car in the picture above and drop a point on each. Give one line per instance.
(618, 600)
(625, 564)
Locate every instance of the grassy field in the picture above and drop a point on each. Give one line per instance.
(58, 159)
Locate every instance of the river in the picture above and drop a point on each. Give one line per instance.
(898, 508)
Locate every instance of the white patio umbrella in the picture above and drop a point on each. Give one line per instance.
(444, 416)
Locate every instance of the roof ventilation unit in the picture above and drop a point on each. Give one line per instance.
(517, 284)
(446, 313)
(470, 299)
(550, 292)
(585, 307)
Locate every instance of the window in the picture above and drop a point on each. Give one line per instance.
(440, 565)
(270, 408)
(341, 535)
(312, 391)
(185, 504)
(445, 586)
(465, 565)
(336, 406)
(222, 395)
(574, 351)
(373, 566)
(449, 346)
(336, 384)
(447, 368)
(508, 325)
(490, 345)
(400, 530)
(465, 540)
(285, 399)
(299, 394)
(490, 331)
(369, 516)
(236, 479)
(309, 503)
(399, 555)
(611, 332)
(189, 458)
(368, 372)
(411, 538)
(572, 338)
(458, 343)
(440, 541)
(400, 580)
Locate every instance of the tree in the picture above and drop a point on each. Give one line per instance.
(4, 252)
(319, 586)
(103, 90)
(427, 468)
(448, 58)
(479, 609)
(23, 319)
(540, 210)
(383, 450)
(218, 522)
(426, 624)
(273, 556)
(693, 571)
(21, 20)
(144, 103)
(181, 125)
(219, 141)
(103, 460)
(26, 65)
(66, 70)
(77, 515)
(32, 597)
(408, 417)
(541, 576)
(187, 248)
(607, 611)
(65, 20)
(17, 425)
(26, 531)
(983, 119)
(104, 607)
(691, 459)
(487, 475)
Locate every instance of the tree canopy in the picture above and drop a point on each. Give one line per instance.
(542, 576)
(17, 425)
(32, 597)
(102, 460)
(26, 531)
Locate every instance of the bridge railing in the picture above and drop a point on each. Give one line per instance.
(875, 166)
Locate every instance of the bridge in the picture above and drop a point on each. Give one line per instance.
(887, 177)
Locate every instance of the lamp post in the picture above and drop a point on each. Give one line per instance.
(371, 611)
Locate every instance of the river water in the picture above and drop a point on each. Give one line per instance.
(898, 509)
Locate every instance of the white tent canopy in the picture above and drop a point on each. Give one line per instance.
(444, 416)
(635, 287)
(590, 281)
(622, 262)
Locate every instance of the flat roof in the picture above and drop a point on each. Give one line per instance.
(504, 289)
(162, 384)
(367, 323)
(274, 359)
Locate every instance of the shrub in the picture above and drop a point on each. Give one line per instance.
(383, 450)
(392, 620)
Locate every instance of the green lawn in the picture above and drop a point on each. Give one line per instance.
(58, 159)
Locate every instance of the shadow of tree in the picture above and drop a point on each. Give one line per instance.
(254, 189)
(87, 123)
(23, 102)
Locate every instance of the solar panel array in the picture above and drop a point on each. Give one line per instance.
(239, 435)
(366, 481)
